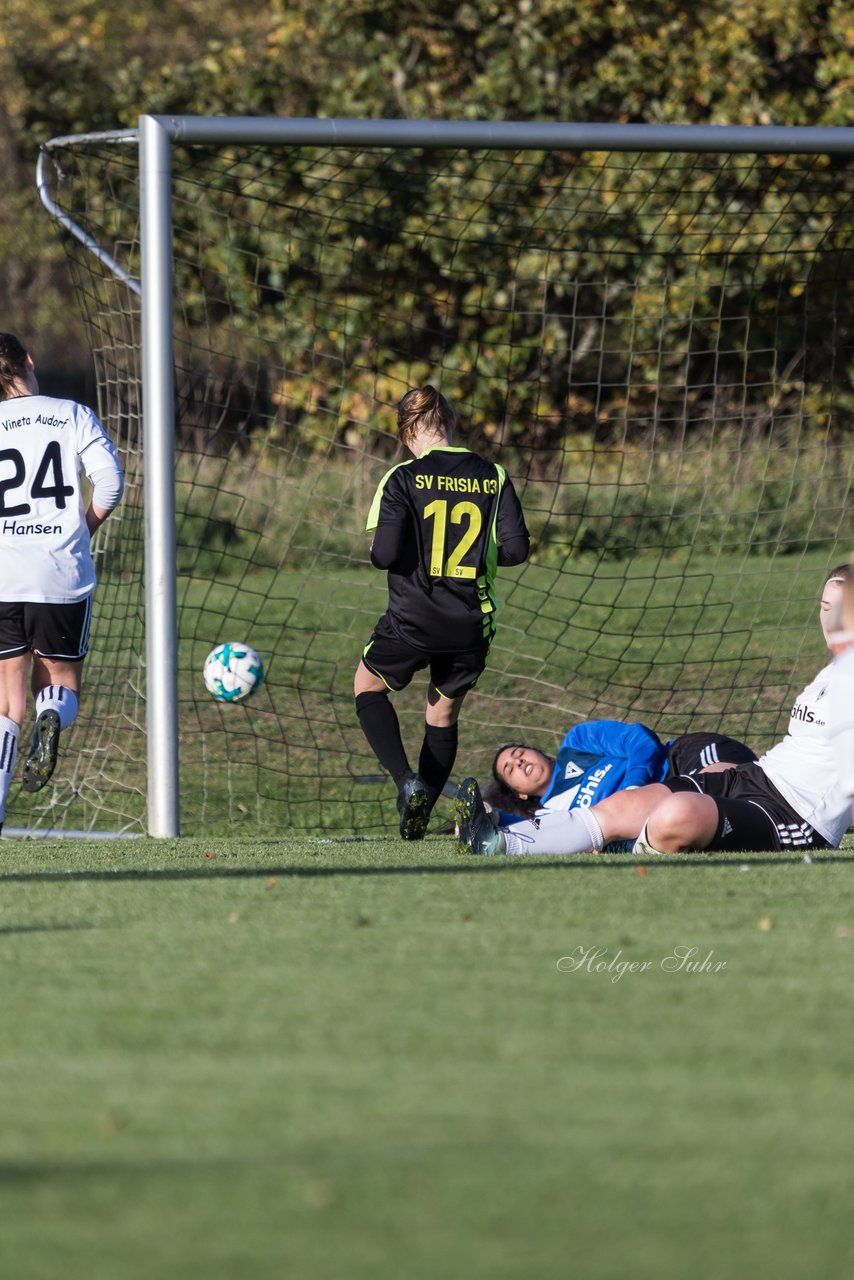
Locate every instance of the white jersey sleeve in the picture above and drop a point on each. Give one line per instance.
(804, 767)
(841, 721)
(46, 445)
(94, 446)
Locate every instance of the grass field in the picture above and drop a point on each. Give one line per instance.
(348, 1059)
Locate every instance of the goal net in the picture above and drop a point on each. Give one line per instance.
(657, 346)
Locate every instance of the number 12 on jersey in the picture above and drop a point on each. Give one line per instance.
(445, 560)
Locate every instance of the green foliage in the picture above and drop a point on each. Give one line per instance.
(720, 490)
(587, 295)
(87, 66)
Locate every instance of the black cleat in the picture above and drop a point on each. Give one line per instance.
(413, 809)
(41, 762)
(477, 832)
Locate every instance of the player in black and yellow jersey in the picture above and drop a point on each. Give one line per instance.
(442, 523)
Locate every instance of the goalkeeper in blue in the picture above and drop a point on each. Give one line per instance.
(795, 797)
(443, 522)
(597, 758)
(798, 795)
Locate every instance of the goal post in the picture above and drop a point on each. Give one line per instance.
(158, 399)
(630, 377)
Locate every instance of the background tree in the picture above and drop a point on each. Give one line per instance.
(84, 65)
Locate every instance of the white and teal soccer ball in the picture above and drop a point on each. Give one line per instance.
(232, 672)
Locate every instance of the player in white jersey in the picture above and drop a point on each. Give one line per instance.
(794, 797)
(840, 636)
(46, 572)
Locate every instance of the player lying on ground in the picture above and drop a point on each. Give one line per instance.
(597, 758)
(442, 522)
(794, 796)
(46, 573)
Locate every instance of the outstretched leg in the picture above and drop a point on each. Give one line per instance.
(620, 817)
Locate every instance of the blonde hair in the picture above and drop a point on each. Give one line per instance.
(424, 409)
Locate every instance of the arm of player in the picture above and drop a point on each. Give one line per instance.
(390, 531)
(107, 490)
(388, 521)
(514, 541)
(99, 460)
(387, 546)
(840, 724)
(643, 750)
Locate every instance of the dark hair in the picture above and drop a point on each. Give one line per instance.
(842, 571)
(501, 796)
(13, 362)
(424, 409)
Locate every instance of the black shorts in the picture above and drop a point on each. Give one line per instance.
(752, 815)
(396, 661)
(58, 631)
(695, 751)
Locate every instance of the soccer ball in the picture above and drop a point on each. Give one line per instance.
(232, 672)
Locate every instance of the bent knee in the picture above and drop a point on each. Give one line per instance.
(685, 821)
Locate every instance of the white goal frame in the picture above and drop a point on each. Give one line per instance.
(155, 137)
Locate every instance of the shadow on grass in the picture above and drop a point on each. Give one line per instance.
(23, 1171)
(47, 928)
(468, 867)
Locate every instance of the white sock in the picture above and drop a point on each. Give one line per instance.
(8, 751)
(55, 697)
(643, 846)
(557, 832)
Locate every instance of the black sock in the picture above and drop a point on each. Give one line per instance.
(438, 753)
(381, 727)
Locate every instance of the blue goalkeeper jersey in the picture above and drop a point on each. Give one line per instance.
(599, 757)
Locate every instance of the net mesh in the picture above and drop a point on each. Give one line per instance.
(657, 347)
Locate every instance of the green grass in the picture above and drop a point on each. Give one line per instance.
(359, 1059)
